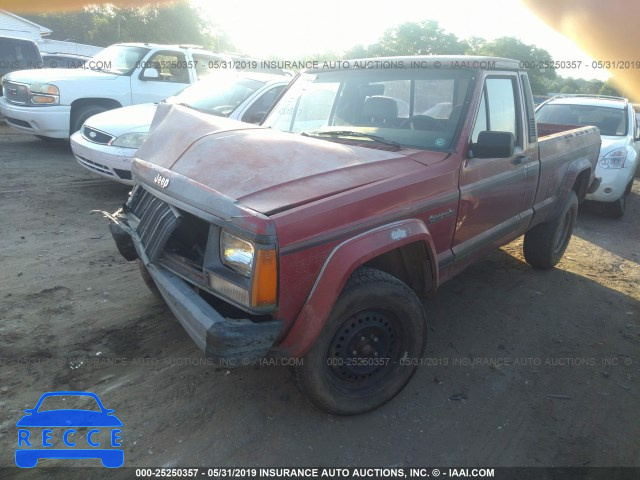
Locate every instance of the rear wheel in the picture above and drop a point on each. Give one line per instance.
(81, 114)
(545, 243)
(369, 347)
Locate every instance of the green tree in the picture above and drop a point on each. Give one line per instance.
(423, 38)
(177, 23)
(608, 89)
(509, 47)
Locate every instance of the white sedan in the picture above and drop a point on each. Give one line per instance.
(107, 142)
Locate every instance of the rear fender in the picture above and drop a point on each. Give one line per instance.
(575, 169)
(343, 260)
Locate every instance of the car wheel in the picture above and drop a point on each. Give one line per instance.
(545, 243)
(148, 279)
(81, 114)
(616, 209)
(369, 347)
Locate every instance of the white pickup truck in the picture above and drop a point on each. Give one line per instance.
(55, 102)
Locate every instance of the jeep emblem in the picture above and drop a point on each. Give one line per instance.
(161, 181)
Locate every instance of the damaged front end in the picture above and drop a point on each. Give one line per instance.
(223, 292)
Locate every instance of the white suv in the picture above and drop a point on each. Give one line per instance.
(620, 134)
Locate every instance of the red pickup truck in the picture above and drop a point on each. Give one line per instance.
(369, 184)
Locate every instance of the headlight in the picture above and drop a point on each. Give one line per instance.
(237, 254)
(44, 94)
(614, 159)
(44, 88)
(130, 140)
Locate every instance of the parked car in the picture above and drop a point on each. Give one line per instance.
(616, 119)
(55, 102)
(107, 142)
(17, 54)
(317, 245)
(63, 60)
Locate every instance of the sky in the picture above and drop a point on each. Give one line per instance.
(291, 29)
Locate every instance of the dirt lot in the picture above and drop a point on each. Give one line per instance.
(523, 368)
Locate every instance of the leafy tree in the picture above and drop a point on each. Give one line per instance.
(103, 25)
(509, 47)
(608, 89)
(423, 38)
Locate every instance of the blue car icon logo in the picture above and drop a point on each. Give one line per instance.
(69, 433)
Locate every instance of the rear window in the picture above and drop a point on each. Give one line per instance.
(16, 54)
(610, 121)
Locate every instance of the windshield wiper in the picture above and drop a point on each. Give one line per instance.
(349, 133)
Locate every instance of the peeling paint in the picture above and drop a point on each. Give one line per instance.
(399, 234)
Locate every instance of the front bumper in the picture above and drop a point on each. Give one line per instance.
(613, 184)
(230, 341)
(47, 121)
(105, 160)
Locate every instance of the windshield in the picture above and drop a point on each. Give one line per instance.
(610, 121)
(410, 107)
(220, 95)
(119, 59)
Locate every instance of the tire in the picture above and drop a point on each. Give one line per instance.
(379, 323)
(545, 243)
(616, 209)
(81, 114)
(148, 279)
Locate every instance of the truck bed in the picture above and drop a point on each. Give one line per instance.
(560, 147)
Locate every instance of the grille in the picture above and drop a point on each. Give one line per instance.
(96, 136)
(96, 167)
(157, 221)
(19, 123)
(16, 92)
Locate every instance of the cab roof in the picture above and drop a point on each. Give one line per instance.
(421, 61)
(593, 100)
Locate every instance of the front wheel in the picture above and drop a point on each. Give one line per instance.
(616, 208)
(369, 347)
(545, 243)
(81, 114)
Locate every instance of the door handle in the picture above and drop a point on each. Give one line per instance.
(520, 159)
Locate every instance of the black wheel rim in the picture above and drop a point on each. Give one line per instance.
(364, 347)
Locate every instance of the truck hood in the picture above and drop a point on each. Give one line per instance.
(116, 122)
(265, 170)
(53, 75)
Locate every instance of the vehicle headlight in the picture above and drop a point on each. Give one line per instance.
(44, 94)
(257, 263)
(237, 254)
(614, 159)
(130, 140)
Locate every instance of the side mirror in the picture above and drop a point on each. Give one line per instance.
(150, 74)
(254, 117)
(494, 145)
